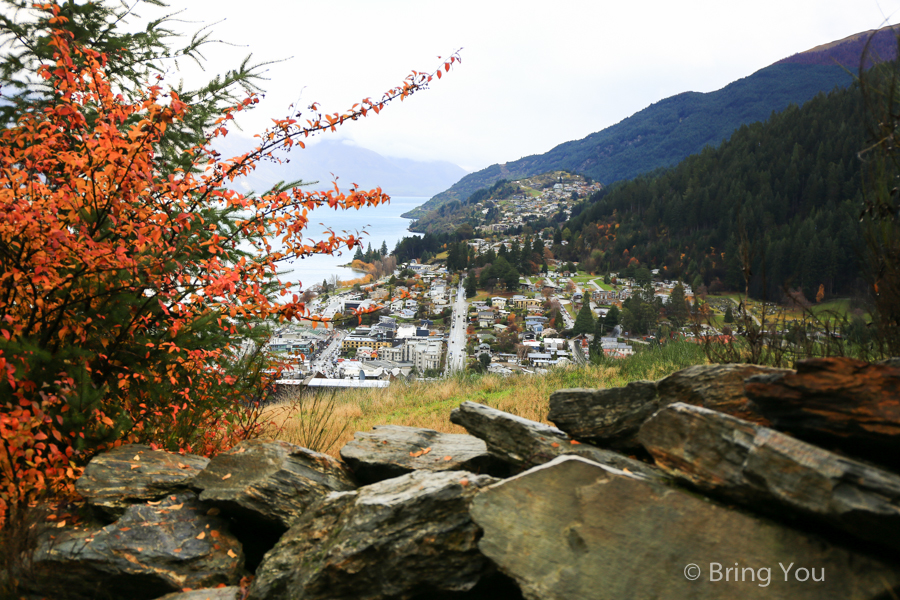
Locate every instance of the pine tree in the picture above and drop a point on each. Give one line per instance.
(677, 308)
(384, 249)
(584, 320)
(729, 315)
(471, 289)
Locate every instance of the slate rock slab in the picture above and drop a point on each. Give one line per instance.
(611, 417)
(762, 468)
(133, 474)
(231, 592)
(270, 481)
(393, 450)
(841, 402)
(573, 530)
(398, 538)
(524, 443)
(151, 551)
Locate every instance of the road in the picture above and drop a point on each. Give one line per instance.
(577, 353)
(567, 318)
(456, 338)
(323, 363)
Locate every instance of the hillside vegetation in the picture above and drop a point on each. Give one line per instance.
(791, 186)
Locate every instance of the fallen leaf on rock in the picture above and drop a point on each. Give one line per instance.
(213, 512)
(157, 503)
(448, 458)
(231, 554)
(214, 533)
(176, 506)
(202, 535)
(574, 442)
(136, 457)
(125, 529)
(555, 445)
(177, 550)
(61, 524)
(464, 482)
(135, 466)
(426, 450)
(226, 477)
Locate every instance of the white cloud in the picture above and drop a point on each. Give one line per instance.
(534, 74)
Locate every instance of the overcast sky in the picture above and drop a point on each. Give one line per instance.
(534, 74)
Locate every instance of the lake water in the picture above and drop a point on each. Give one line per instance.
(380, 223)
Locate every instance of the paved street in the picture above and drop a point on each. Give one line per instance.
(323, 363)
(456, 340)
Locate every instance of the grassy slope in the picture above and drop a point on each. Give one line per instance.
(428, 404)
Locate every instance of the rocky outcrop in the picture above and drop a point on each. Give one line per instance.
(134, 474)
(392, 450)
(154, 549)
(611, 417)
(398, 538)
(572, 529)
(230, 592)
(270, 481)
(840, 402)
(763, 469)
(735, 506)
(523, 443)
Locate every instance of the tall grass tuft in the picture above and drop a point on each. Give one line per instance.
(428, 403)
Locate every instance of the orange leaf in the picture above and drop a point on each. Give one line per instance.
(202, 535)
(226, 477)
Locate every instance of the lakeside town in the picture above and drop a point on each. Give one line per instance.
(405, 324)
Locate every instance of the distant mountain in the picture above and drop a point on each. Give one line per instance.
(668, 131)
(877, 44)
(351, 164)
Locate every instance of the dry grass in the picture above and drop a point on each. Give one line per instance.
(428, 404)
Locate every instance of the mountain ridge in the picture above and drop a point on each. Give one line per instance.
(667, 131)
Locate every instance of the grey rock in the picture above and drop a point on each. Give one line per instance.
(231, 592)
(394, 539)
(393, 450)
(608, 416)
(838, 402)
(151, 551)
(611, 417)
(761, 468)
(134, 474)
(271, 481)
(524, 443)
(572, 529)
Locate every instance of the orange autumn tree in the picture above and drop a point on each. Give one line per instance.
(134, 294)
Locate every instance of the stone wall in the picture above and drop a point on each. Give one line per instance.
(723, 481)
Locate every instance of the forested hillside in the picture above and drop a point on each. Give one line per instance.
(792, 184)
(666, 132)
